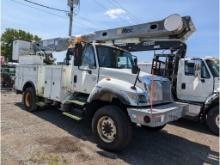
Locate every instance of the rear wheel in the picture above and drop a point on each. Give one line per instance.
(112, 128)
(212, 120)
(29, 99)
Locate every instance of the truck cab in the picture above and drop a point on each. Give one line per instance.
(198, 84)
(111, 68)
(197, 78)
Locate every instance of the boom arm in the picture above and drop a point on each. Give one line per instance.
(172, 27)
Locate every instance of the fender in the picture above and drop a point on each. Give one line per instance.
(28, 84)
(211, 100)
(107, 89)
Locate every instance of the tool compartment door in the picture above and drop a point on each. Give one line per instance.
(47, 82)
(29, 74)
(56, 84)
(18, 78)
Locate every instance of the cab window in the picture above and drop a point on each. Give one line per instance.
(189, 68)
(204, 71)
(88, 57)
(110, 57)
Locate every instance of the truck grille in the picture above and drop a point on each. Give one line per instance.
(161, 92)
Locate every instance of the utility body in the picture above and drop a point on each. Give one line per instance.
(101, 83)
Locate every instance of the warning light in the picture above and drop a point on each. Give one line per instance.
(78, 40)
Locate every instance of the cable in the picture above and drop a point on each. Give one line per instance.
(20, 3)
(48, 7)
(91, 27)
(117, 4)
(91, 22)
(103, 6)
(87, 25)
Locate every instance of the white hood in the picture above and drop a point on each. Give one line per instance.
(161, 90)
(126, 75)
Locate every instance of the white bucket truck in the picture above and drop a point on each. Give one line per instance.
(197, 83)
(101, 83)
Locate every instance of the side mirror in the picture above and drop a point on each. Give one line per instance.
(135, 61)
(135, 68)
(70, 52)
(77, 54)
(197, 68)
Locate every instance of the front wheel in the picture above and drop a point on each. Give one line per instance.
(212, 120)
(112, 128)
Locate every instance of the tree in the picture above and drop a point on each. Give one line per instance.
(11, 34)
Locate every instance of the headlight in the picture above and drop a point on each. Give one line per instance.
(136, 98)
(142, 99)
(132, 96)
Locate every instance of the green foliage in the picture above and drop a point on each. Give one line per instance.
(11, 34)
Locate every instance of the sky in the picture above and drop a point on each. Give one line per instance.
(96, 15)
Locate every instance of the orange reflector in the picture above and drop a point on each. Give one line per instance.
(108, 78)
(77, 40)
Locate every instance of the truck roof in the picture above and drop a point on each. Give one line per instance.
(204, 58)
(110, 45)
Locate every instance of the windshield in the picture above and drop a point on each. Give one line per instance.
(110, 57)
(213, 65)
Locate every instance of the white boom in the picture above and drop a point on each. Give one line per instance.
(172, 27)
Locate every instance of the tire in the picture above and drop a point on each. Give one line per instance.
(212, 118)
(154, 129)
(120, 128)
(30, 99)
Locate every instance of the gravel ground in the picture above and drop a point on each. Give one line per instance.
(48, 137)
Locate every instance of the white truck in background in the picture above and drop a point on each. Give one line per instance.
(198, 85)
(145, 66)
(102, 83)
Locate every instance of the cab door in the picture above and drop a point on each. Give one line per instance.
(86, 74)
(194, 82)
(19, 78)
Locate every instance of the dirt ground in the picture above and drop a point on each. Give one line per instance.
(48, 137)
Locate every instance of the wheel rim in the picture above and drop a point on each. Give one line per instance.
(217, 121)
(28, 99)
(106, 129)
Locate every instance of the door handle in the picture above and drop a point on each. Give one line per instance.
(89, 71)
(53, 83)
(203, 80)
(183, 86)
(75, 78)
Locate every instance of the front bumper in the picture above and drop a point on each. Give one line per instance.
(159, 115)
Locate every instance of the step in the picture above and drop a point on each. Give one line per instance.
(40, 103)
(78, 102)
(72, 116)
